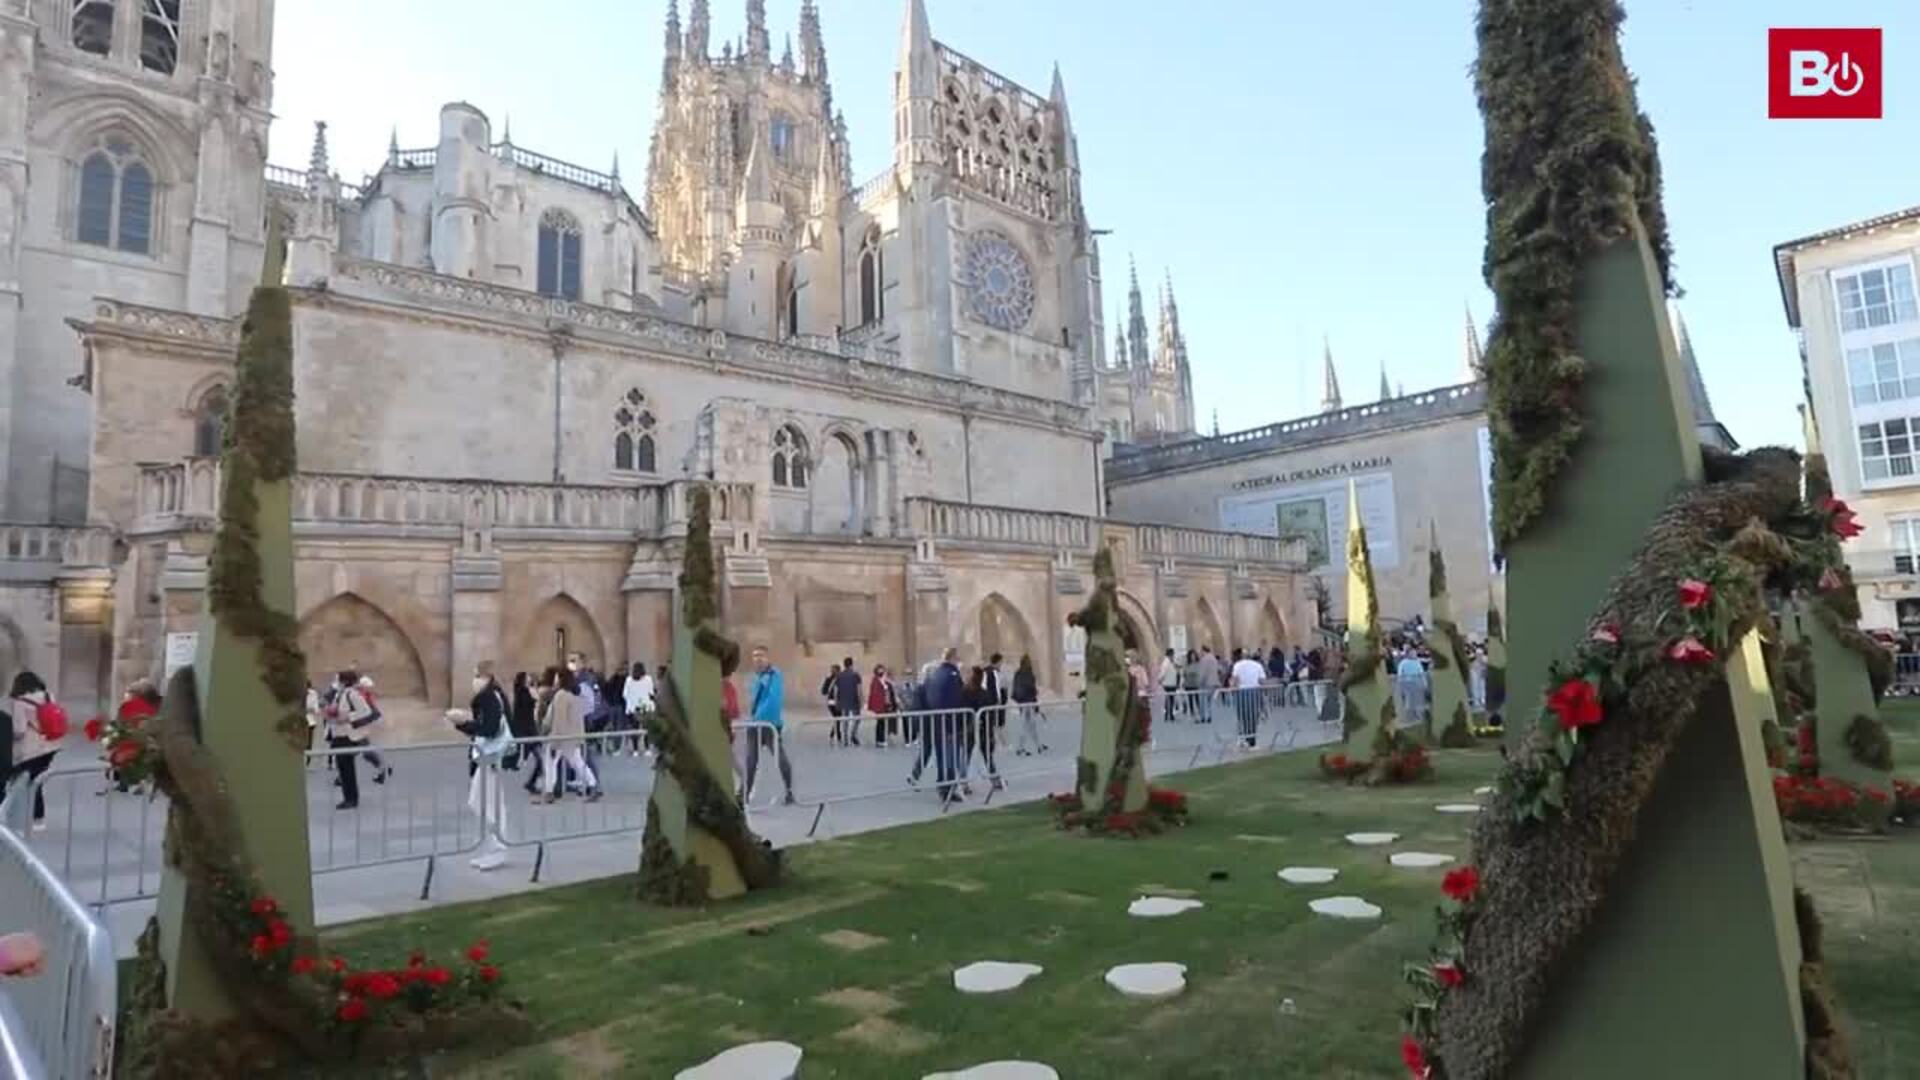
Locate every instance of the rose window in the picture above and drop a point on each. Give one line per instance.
(1000, 281)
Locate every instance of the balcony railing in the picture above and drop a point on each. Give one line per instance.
(38, 552)
(187, 495)
(938, 519)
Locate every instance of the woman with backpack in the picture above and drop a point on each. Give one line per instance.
(347, 722)
(39, 725)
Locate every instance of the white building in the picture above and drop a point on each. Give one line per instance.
(1849, 295)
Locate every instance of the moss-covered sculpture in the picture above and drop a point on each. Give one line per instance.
(1366, 682)
(697, 846)
(1628, 909)
(1450, 659)
(1111, 795)
(229, 980)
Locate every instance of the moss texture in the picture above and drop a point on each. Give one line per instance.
(1869, 743)
(1545, 880)
(1570, 165)
(1110, 707)
(259, 449)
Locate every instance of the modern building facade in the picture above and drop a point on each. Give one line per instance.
(1849, 296)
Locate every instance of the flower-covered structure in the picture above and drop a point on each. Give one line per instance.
(1366, 683)
(1631, 910)
(1449, 646)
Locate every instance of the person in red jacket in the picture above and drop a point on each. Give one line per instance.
(882, 702)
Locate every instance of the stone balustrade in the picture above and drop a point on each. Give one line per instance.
(940, 520)
(187, 495)
(33, 548)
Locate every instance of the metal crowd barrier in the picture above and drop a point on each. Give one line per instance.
(1906, 674)
(436, 807)
(59, 1023)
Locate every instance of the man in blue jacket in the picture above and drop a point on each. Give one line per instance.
(948, 695)
(769, 723)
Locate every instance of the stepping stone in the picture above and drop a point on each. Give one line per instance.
(1159, 907)
(1345, 907)
(1374, 839)
(1148, 980)
(1000, 1070)
(993, 977)
(1419, 860)
(754, 1061)
(1459, 808)
(1308, 875)
(1484, 790)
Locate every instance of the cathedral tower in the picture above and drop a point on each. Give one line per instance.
(137, 131)
(714, 112)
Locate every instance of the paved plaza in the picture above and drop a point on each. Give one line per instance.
(409, 843)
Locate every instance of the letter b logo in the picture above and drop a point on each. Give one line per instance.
(1823, 74)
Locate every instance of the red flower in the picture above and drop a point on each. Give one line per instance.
(489, 973)
(1809, 762)
(302, 965)
(1462, 884)
(1577, 704)
(1830, 580)
(93, 729)
(1803, 738)
(1449, 974)
(338, 965)
(1876, 795)
(478, 952)
(123, 753)
(1689, 650)
(416, 958)
(1415, 1057)
(356, 983)
(1845, 523)
(352, 1011)
(382, 985)
(437, 976)
(262, 945)
(264, 906)
(280, 932)
(1607, 634)
(1694, 594)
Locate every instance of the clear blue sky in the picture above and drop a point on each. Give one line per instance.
(1302, 168)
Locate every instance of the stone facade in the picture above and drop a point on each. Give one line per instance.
(509, 372)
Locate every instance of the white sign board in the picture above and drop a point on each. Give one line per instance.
(180, 650)
(1073, 649)
(1177, 639)
(1317, 511)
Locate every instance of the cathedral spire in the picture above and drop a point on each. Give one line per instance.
(758, 45)
(317, 165)
(757, 186)
(1119, 344)
(1386, 388)
(670, 54)
(1329, 379)
(699, 29)
(1069, 146)
(824, 199)
(813, 49)
(915, 142)
(786, 56)
(1473, 365)
(1138, 353)
(393, 146)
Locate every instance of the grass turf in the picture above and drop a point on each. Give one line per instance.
(853, 958)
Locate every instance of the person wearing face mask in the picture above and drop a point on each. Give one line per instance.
(486, 724)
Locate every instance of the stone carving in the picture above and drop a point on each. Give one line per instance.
(157, 322)
(836, 617)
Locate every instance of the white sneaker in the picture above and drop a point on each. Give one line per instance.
(39, 826)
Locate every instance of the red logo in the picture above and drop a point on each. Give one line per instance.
(1823, 74)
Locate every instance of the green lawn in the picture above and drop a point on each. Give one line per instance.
(853, 958)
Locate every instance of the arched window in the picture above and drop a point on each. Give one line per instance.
(872, 308)
(790, 464)
(559, 273)
(93, 26)
(210, 423)
(159, 35)
(789, 296)
(780, 135)
(116, 199)
(633, 423)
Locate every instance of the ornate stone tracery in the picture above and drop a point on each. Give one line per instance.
(999, 280)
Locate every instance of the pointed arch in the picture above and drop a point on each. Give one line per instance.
(1273, 626)
(560, 625)
(350, 632)
(1136, 626)
(1207, 630)
(1002, 629)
